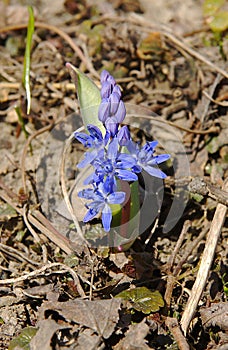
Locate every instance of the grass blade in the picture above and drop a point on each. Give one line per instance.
(26, 73)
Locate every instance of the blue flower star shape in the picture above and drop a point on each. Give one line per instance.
(102, 197)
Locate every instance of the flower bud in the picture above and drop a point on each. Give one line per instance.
(114, 100)
(104, 110)
(121, 112)
(123, 136)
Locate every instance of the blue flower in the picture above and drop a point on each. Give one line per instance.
(145, 158)
(102, 197)
(113, 163)
(95, 141)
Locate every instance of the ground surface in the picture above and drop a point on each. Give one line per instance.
(56, 293)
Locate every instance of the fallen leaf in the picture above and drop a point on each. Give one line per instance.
(134, 338)
(88, 340)
(215, 315)
(46, 330)
(98, 315)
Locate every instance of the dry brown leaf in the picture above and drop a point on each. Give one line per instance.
(215, 315)
(134, 339)
(98, 315)
(88, 340)
(42, 339)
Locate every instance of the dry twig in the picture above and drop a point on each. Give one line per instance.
(40, 271)
(15, 253)
(174, 328)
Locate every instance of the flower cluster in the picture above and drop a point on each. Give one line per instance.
(113, 155)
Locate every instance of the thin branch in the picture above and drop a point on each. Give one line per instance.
(174, 328)
(17, 254)
(40, 271)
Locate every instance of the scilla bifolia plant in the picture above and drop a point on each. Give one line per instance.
(115, 158)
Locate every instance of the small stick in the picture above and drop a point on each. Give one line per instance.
(41, 270)
(174, 328)
(206, 261)
(223, 104)
(17, 254)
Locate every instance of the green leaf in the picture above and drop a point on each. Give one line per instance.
(89, 97)
(22, 341)
(197, 197)
(26, 73)
(219, 22)
(213, 145)
(210, 7)
(143, 299)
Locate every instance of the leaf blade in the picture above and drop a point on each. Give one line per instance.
(27, 58)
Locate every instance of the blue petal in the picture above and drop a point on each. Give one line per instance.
(95, 131)
(117, 90)
(88, 158)
(125, 161)
(137, 169)
(113, 149)
(97, 205)
(126, 175)
(83, 138)
(154, 172)
(106, 218)
(111, 80)
(132, 147)
(150, 146)
(90, 215)
(159, 159)
(116, 197)
(87, 193)
(109, 185)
